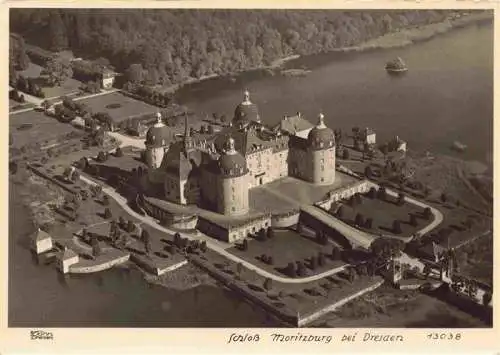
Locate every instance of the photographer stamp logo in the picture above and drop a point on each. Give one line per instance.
(41, 335)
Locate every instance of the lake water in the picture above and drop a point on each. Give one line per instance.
(447, 95)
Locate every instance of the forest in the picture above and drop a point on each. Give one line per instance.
(165, 47)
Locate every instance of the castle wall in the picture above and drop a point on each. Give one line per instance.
(233, 195)
(299, 164)
(259, 166)
(322, 168)
(154, 157)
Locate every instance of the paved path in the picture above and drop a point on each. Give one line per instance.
(126, 141)
(354, 235)
(210, 244)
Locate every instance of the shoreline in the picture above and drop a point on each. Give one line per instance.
(392, 40)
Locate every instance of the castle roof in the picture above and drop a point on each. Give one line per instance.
(294, 124)
(321, 137)
(231, 163)
(40, 235)
(158, 135)
(246, 112)
(181, 162)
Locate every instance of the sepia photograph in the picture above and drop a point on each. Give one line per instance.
(250, 168)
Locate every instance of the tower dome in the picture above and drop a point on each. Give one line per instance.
(321, 137)
(159, 134)
(231, 163)
(246, 112)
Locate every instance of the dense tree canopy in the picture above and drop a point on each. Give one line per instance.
(169, 46)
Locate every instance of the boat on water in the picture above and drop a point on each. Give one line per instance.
(460, 147)
(396, 66)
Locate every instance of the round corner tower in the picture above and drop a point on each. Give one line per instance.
(321, 152)
(157, 139)
(232, 181)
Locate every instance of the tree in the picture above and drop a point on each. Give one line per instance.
(444, 197)
(96, 248)
(239, 269)
(368, 172)
(130, 227)
(351, 275)
(314, 262)
(122, 222)
(268, 284)
(58, 71)
(401, 199)
(427, 213)
(396, 227)
(340, 212)
(345, 154)
(144, 235)
(245, 245)
(270, 233)
(301, 270)
(290, 270)
(321, 259)
(118, 152)
(107, 213)
(203, 246)
(413, 220)
(105, 200)
(57, 33)
(487, 298)
(102, 157)
(359, 220)
(369, 223)
(336, 253)
(135, 74)
(262, 234)
(381, 193)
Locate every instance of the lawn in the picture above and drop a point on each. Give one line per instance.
(384, 213)
(70, 86)
(285, 247)
(119, 106)
(35, 127)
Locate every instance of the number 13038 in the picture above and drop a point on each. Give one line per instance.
(444, 336)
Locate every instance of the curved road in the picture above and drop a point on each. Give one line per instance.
(213, 246)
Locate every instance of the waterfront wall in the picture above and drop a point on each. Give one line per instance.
(302, 321)
(88, 267)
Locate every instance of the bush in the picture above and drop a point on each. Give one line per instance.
(107, 213)
(290, 270)
(359, 220)
(105, 200)
(118, 152)
(396, 227)
(372, 193)
(345, 154)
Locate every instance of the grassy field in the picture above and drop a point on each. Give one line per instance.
(70, 86)
(384, 213)
(285, 247)
(35, 127)
(126, 107)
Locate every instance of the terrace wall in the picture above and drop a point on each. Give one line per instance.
(285, 220)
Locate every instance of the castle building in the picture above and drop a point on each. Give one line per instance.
(217, 171)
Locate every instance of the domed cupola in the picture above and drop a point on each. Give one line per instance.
(246, 112)
(231, 163)
(158, 135)
(321, 137)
